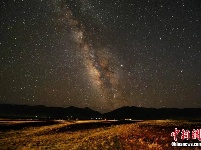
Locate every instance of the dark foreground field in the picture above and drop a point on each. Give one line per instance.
(101, 135)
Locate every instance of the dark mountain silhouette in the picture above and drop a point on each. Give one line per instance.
(43, 112)
(154, 113)
(40, 111)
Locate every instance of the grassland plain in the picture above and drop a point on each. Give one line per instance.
(89, 135)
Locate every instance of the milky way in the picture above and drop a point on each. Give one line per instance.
(99, 62)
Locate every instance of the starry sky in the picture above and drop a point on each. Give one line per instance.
(101, 54)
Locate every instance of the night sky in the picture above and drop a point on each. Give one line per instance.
(101, 54)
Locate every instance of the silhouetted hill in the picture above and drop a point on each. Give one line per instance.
(25, 111)
(153, 113)
(40, 111)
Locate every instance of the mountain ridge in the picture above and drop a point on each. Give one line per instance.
(72, 112)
